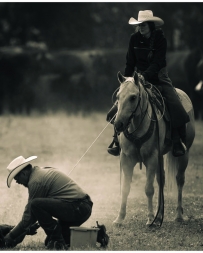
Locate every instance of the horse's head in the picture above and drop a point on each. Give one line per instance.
(128, 98)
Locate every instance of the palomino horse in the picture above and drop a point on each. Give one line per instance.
(138, 118)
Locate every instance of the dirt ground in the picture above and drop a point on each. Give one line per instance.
(60, 141)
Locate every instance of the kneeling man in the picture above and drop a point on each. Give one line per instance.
(55, 201)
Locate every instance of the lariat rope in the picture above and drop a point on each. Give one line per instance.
(92, 144)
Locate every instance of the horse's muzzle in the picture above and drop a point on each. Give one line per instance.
(119, 126)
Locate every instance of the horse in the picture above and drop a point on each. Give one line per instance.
(142, 129)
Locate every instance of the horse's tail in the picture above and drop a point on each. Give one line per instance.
(171, 164)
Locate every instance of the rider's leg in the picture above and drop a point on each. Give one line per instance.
(178, 115)
(113, 148)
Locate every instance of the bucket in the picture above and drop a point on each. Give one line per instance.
(83, 237)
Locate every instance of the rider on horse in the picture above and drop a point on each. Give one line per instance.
(147, 53)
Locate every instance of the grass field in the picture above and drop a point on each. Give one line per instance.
(60, 140)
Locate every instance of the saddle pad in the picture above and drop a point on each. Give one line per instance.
(185, 100)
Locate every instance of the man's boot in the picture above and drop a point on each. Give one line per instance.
(114, 150)
(179, 147)
(55, 239)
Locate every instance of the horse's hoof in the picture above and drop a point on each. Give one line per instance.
(149, 221)
(117, 222)
(151, 225)
(178, 219)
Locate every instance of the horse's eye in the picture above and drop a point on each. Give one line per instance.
(132, 98)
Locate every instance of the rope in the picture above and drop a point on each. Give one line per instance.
(91, 144)
(164, 108)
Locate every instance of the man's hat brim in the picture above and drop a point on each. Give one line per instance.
(16, 170)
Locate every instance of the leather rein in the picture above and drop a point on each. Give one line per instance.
(139, 141)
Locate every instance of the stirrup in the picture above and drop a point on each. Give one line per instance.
(179, 149)
(114, 150)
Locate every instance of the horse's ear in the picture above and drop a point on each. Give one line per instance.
(136, 77)
(121, 78)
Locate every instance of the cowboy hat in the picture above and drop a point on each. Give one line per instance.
(146, 16)
(16, 166)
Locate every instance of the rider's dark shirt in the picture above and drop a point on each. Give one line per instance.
(137, 56)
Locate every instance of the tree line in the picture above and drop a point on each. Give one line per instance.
(88, 25)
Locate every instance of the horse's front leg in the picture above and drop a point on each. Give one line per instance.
(127, 166)
(149, 191)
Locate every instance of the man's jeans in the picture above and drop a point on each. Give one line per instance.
(68, 214)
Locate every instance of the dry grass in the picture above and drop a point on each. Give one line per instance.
(60, 140)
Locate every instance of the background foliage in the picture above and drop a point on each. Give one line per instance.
(94, 24)
(66, 55)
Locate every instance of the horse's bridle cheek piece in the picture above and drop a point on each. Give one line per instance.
(139, 141)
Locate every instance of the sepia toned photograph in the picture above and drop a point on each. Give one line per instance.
(101, 118)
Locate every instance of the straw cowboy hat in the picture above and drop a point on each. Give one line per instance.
(16, 166)
(146, 16)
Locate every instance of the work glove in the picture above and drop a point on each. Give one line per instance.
(111, 113)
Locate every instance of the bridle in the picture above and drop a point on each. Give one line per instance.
(135, 110)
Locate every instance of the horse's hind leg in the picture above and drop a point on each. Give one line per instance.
(127, 168)
(180, 179)
(160, 177)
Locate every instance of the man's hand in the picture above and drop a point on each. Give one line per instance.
(33, 229)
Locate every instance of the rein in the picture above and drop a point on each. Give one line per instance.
(161, 166)
(138, 141)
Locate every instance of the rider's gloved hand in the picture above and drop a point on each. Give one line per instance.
(142, 79)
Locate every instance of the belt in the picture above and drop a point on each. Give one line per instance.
(87, 199)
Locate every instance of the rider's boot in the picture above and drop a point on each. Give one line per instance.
(182, 133)
(178, 139)
(114, 150)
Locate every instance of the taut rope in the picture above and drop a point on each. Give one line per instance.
(91, 144)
